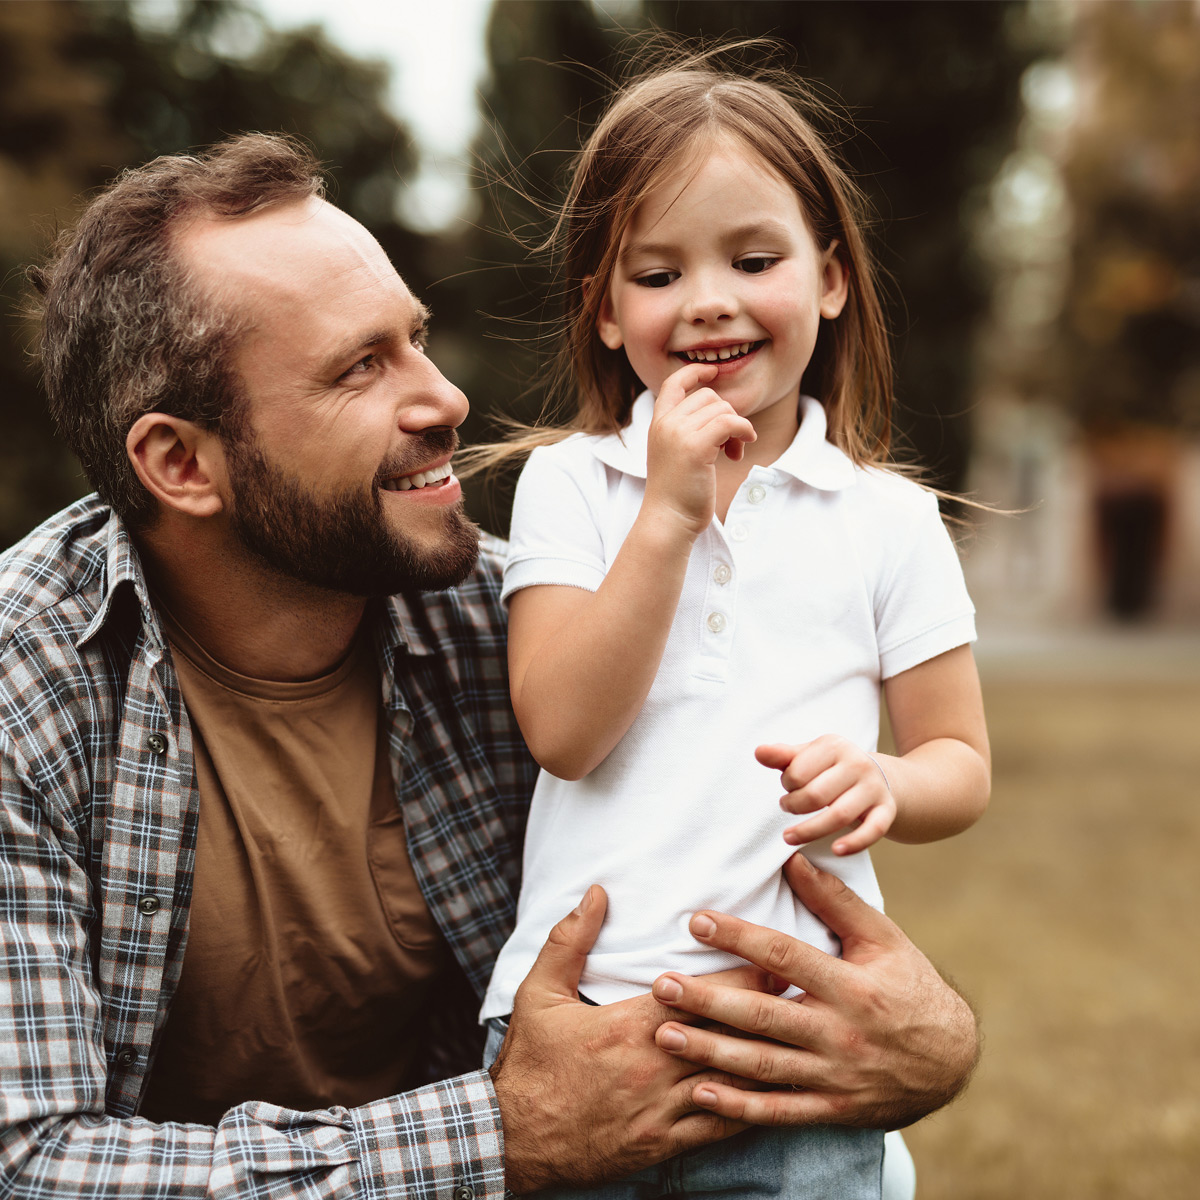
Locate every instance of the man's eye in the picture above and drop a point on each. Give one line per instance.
(657, 279)
(364, 364)
(755, 265)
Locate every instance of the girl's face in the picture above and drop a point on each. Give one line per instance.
(718, 265)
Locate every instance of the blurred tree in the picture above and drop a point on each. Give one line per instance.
(1129, 337)
(1131, 323)
(86, 88)
(545, 88)
(933, 89)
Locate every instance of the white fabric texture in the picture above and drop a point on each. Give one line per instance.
(823, 581)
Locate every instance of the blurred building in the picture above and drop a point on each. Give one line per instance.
(1089, 419)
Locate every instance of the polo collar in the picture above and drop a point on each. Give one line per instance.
(810, 458)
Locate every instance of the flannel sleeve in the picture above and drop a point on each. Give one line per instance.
(56, 1139)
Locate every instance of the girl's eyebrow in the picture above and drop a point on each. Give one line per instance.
(766, 228)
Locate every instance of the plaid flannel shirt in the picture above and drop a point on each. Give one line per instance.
(98, 816)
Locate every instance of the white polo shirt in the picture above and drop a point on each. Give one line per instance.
(824, 580)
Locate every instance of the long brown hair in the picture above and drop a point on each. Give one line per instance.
(661, 116)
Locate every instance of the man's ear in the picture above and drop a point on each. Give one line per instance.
(606, 319)
(835, 282)
(179, 463)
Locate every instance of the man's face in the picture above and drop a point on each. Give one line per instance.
(339, 468)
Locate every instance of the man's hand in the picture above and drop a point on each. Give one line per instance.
(584, 1092)
(879, 1040)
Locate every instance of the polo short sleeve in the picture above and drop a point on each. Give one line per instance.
(556, 524)
(922, 608)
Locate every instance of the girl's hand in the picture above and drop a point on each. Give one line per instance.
(690, 429)
(832, 774)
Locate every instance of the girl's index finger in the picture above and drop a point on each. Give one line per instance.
(680, 384)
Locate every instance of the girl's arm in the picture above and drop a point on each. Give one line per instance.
(581, 663)
(936, 785)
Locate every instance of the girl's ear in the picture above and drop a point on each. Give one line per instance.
(835, 282)
(606, 319)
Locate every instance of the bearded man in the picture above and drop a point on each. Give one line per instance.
(261, 792)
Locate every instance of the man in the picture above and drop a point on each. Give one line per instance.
(261, 793)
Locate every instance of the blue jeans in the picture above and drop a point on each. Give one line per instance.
(826, 1162)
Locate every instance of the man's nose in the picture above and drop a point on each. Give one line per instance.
(429, 400)
(710, 297)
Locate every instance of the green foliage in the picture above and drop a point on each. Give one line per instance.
(87, 88)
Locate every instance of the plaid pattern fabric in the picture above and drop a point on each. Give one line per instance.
(98, 817)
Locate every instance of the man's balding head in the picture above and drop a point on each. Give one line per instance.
(127, 329)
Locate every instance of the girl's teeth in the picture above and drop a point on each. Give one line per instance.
(726, 352)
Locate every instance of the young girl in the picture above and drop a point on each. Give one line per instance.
(711, 582)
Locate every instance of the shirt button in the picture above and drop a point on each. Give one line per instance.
(464, 1191)
(716, 622)
(739, 533)
(149, 905)
(156, 744)
(126, 1058)
(757, 494)
(722, 574)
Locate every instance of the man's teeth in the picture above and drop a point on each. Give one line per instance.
(404, 483)
(719, 355)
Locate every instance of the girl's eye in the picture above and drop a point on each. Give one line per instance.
(756, 265)
(657, 279)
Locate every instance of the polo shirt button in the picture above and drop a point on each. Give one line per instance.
(757, 494)
(149, 905)
(739, 533)
(464, 1191)
(716, 622)
(722, 574)
(126, 1058)
(156, 744)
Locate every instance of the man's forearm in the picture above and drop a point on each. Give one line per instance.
(426, 1143)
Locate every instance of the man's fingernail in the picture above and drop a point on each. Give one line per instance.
(585, 903)
(705, 1096)
(802, 861)
(668, 990)
(672, 1039)
(703, 926)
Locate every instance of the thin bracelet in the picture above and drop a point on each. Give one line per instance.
(882, 772)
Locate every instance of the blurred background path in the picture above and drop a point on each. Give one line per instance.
(1070, 915)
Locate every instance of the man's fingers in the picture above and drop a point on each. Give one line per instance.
(781, 955)
(560, 963)
(846, 913)
(760, 1060)
(767, 1108)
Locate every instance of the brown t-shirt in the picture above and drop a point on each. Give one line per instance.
(310, 948)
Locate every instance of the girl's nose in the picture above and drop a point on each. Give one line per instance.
(709, 299)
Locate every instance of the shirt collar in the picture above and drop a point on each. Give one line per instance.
(810, 458)
(122, 566)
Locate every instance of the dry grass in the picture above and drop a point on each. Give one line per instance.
(1071, 917)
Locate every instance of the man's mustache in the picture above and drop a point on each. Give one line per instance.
(421, 450)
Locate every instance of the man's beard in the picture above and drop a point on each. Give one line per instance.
(344, 543)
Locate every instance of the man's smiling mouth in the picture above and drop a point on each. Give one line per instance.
(432, 477)
(724, 354)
